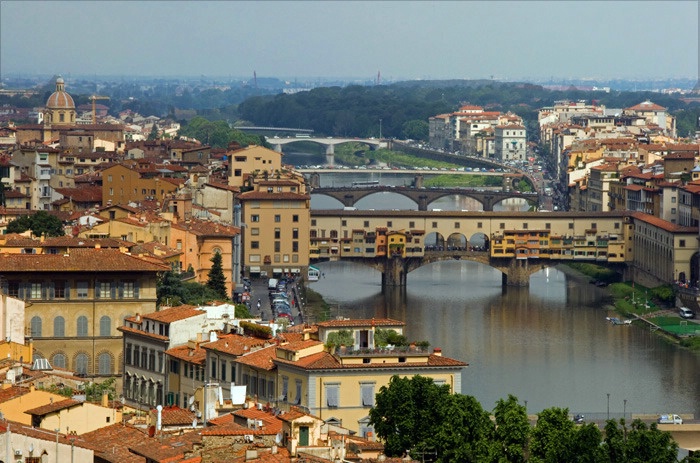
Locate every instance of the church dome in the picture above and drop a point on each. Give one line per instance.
(60, 99)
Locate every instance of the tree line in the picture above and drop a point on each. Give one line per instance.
(417, 417)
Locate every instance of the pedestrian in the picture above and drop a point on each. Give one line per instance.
(323, 275)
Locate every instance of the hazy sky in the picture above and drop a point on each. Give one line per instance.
(401, 39)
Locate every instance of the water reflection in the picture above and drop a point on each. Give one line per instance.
(548, 344)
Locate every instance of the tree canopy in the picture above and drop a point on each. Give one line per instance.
(418, 417)
(40, 223)
(218, 133)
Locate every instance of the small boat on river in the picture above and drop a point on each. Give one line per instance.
(617, 321)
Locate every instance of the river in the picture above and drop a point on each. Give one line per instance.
(548, 344)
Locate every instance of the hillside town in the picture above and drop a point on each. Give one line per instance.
(196, 383)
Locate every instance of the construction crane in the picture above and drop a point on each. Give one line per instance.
(94, 110)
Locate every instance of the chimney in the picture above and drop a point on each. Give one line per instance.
(437, 351)
(105, 400)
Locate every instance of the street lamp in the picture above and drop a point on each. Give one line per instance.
(624, 409)
(608, 405)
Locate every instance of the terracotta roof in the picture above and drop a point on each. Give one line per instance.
(77, 260)
(235, 344)
(53, 407)
(140, 332)
(261, 359)
(647, 106)
(663, 224)
(169, 450)
(112, 443)
(326, 361)
(206, 228)
(173, 314)
(12, 393)
(82, 194)
(197, 355)
(173, 415)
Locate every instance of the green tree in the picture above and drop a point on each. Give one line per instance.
(154, 132)
(649, 444)
(40, 223)
(341, 337)
(464, 432)
(170, 290)
(553, 437)
(216, 280)
(406, 412)
(614, 442)
(415, 130)
(95, 391)
(512, 431)
(383, 338)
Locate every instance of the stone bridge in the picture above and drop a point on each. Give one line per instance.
(424, 196)
(395, 270)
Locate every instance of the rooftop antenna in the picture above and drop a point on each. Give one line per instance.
(255, 79)
(379, 78)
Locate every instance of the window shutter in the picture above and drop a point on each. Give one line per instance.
(121, 290)
(67, 290)
(332, 396)
(52, 290)
(367, 396)
(43, 291)
(357, 340)
(98, 287)
(371, 339)
(136, 289)
(113, 289)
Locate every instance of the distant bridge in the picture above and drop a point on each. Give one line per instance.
(425, 196)
(328, 142)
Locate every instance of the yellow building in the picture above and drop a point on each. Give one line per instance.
(137, 181)
(70, 415)
(76, 301)
(276, 215)
(16, 400)
(340, 387)
(252, 161)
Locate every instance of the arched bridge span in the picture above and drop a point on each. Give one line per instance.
(425, 196)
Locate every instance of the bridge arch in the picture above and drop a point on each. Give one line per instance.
(434, 241)
(479, 241)
(456, 241)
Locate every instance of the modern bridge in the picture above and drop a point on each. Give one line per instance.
(425, 196)
(516, 243)
(328, 142)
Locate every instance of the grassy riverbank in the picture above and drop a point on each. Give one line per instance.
(656, 305)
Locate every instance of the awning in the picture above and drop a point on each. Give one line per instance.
(254, 269)
(295, 270)
(276, 270)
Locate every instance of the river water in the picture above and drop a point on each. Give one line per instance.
(548, 344)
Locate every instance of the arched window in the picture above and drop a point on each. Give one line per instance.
(104, 362)
(59, 327)
(36, 327)
(105, 326)
(59, 361)
(82, 326)
(81, 364)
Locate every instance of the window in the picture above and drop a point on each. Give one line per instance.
(59, 361)
(524, 225)
(594, 225)
(82, 289)
(278, 233)
(277, 246)
(295, 233)
(502, 226)
(255, 218)
(295, 218)
(213, 369)
(571, 226)
(332, 395)
(295, 246)
(298, 395)
(59, 327)
(681, 243)
(255, 245)
(367, 393)
(343, 223)
(81, 364)
(174, 366)
(366, 223)
(128, 290)
(278, 218)
(389, 224)
(35, 290)
(35, 325)
(105, 326)
(60, 290)
(285, 388)
(254, 231)
(128, 353)
(456, 224)
(82, 325)
(435, 225)
(104, 289)
(13, 289)
(104, 364)
(313, 222)
(223, 370)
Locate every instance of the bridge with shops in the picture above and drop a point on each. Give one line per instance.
(516, 243)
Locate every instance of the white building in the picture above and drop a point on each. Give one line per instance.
(510, 142)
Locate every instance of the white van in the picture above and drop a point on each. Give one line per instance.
(670, 419)
(686, 312)
(272, 284)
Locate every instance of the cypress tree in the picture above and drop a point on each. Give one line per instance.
(217, 280)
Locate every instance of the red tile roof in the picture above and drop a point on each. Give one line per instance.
(260, 359)
(112, 443)
(235, 344)
(663, 224)
(173, 314)
(53, 407)
(78, 260)
(359, 322)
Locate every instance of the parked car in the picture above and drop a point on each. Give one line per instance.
(685, 312)
(579, 419)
